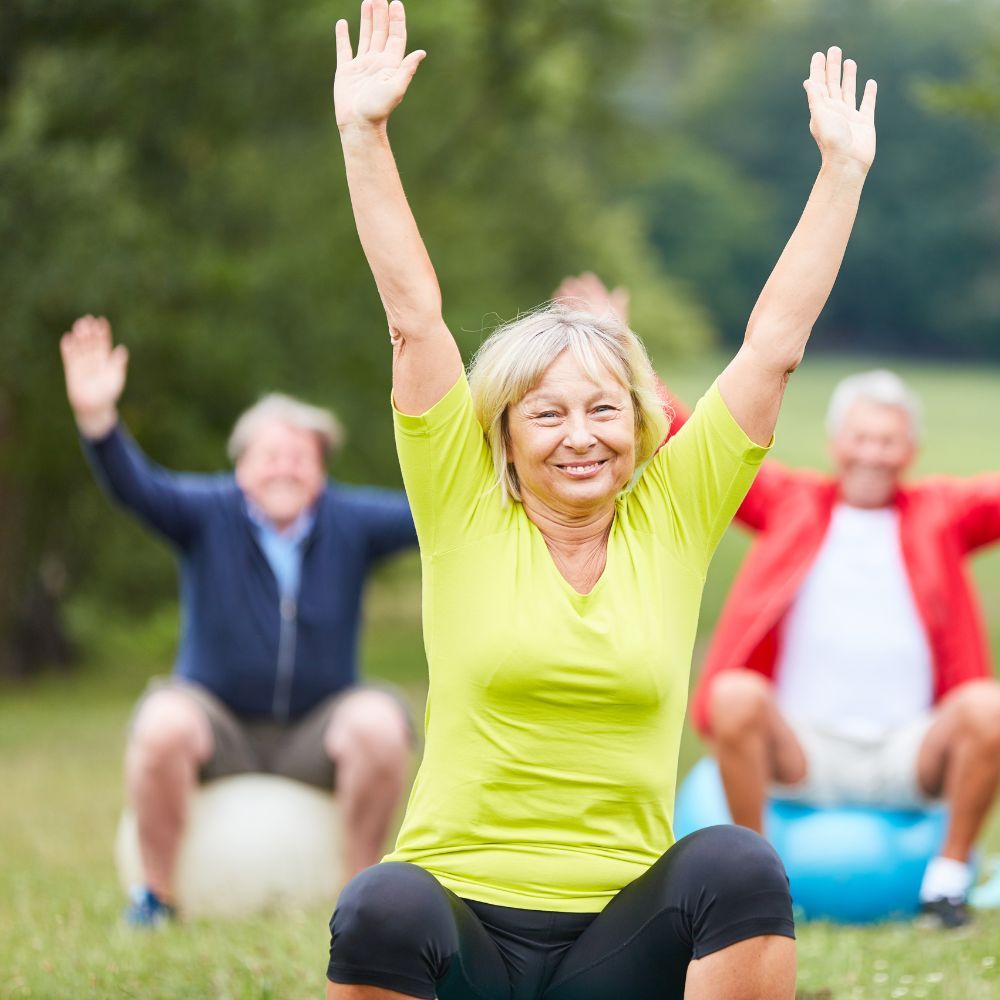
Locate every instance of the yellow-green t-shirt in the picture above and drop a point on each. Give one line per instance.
(554, 718)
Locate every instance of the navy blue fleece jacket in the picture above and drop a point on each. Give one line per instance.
(262, 656)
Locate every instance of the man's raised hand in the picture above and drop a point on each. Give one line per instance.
(841, 129)
(587, 292)
(95, 374)
(369, 85)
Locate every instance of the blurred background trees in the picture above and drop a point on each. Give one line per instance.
(175, 166)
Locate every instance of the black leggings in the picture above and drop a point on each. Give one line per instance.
(397, 927)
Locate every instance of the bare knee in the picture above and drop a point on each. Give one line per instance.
(740, 704)
(170, 726)
(370, 729)
(977, 705)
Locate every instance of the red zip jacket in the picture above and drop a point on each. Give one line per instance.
(941, 521)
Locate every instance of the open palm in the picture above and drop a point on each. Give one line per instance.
(95, 370)
(369, 85)
(840, 128)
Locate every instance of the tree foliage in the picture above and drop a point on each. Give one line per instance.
(175, 166)
(920, 273)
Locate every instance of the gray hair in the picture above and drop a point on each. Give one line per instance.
(515, 356)
(278, 408)
(880, 386)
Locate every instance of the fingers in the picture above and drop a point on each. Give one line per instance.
(868, 100)
(409, 66)
(66, 346)
(103, 330)
(380, 24)
(833, 65)
(850, 83)
(119, 357)
(816, 84)
(365, 29)
(621, 301)
(344, 53)
(89, 336)
(396, 44)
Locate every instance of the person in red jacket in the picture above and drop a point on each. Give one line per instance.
(850, 663)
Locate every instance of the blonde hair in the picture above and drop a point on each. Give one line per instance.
(515, 356)
(279, 408)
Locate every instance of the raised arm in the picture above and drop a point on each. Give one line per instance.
(753, 384)
(95, 372)
(426, 361)
(586, 291)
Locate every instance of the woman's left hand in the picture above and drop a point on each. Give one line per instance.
(842, 131)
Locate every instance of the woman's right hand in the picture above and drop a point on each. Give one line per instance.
(369, 85)
(95, 374)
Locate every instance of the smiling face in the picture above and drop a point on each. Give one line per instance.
(281, 471)
(572, 441)
(871, 449)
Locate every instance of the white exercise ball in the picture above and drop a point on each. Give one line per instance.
(253, 843)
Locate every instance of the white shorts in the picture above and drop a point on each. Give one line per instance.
(846, 770)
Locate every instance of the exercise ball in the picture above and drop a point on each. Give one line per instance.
(849, 864)
(253, 843)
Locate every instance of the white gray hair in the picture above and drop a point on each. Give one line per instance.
(278, 408)
(515, 356)
(880, 386)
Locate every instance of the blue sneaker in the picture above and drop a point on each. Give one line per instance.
(146, 910)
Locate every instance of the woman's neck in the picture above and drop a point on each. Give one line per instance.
(569, 530)
(578, 543)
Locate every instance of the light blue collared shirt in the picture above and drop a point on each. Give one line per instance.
(283, 549)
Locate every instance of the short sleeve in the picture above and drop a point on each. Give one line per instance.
(694, 485)
(448, 472)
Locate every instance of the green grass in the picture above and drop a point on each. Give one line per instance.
(60, 775)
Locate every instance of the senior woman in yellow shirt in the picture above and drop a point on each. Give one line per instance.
(563, 563)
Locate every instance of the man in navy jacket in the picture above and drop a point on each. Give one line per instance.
(273, 562)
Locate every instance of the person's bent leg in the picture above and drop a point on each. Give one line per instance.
(960, 759)
(760, 968)
(690, 927)
(369, 740)
(397, 932)
(170, 740)
(753, 743)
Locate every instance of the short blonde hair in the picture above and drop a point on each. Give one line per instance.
(515, 356)
(278, 408)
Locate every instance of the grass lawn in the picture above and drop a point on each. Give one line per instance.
(60, 771)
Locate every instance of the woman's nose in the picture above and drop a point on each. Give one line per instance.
(579, 435)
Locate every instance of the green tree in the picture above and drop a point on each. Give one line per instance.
(174, 165)
(918, 276)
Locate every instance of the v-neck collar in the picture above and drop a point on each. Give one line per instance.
(575, 595)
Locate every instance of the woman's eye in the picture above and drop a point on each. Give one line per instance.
(605, 408)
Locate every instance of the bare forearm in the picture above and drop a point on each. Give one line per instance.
(396, 254)
(801, 281)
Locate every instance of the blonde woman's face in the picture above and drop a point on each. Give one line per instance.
(572, 441)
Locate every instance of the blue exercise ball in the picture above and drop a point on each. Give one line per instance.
(849, 864)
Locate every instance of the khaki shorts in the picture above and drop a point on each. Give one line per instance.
(242, 745)
(843, 770)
